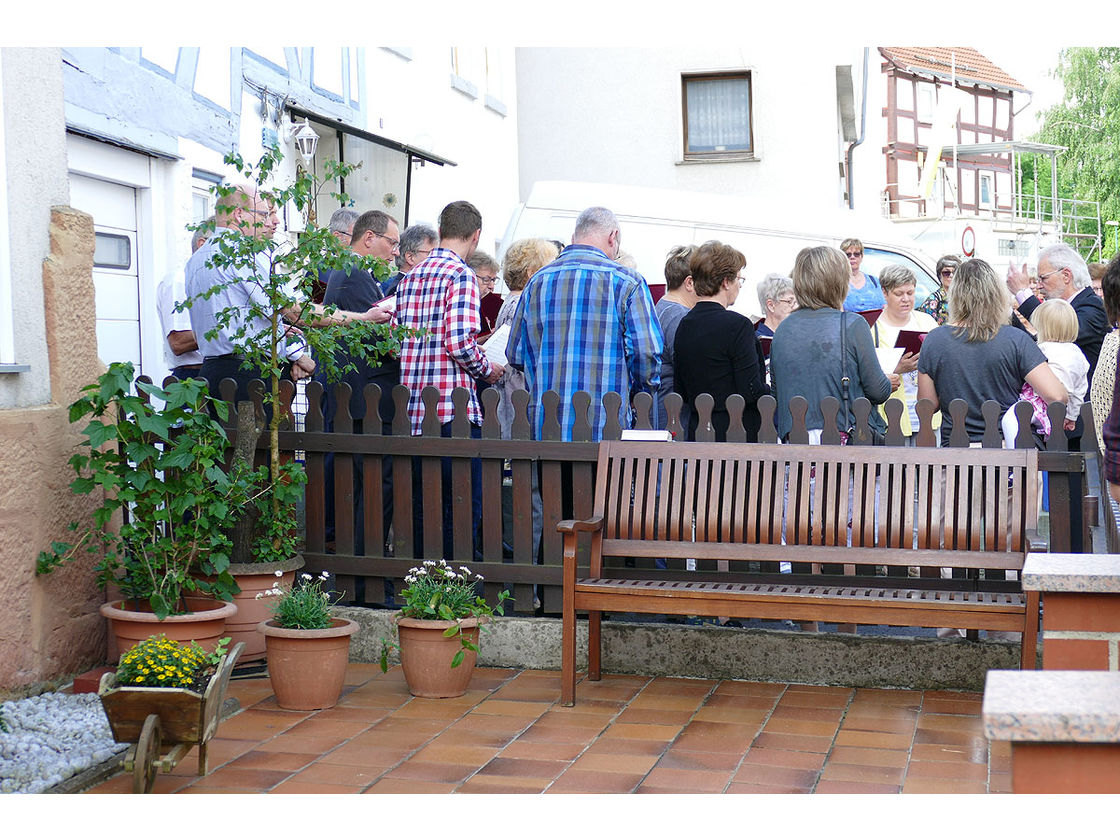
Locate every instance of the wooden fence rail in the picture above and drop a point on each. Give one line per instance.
(566, 471)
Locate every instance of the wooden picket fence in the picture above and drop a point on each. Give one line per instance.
(566, 470)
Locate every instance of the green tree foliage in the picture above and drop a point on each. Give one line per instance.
(1087, 123)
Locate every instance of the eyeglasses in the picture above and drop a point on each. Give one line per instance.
(788, 301)
(741, 280)
(1042, 277)
(487, 281)
(850, 254)
(270, 212)
(947, 272)
(393, 243)
(425, 252)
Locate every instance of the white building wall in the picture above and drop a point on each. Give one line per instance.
(34, 180)
(614, 115)
(418, 103)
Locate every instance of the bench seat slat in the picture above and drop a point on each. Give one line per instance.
(859, 556)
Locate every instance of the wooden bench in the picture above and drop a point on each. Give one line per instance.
(728, 505)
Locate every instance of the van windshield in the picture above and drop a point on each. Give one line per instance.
(875, 260)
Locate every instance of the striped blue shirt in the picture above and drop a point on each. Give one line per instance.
(586, 323)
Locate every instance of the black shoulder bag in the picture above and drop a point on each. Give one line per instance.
(878, 438)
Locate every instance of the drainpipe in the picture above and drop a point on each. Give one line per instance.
(862, 127)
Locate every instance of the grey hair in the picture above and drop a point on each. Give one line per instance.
(1060, 256)
(202, 233)
(772, 287)
(341, 219)
(597, 219)
(414, 238)
(895, 275)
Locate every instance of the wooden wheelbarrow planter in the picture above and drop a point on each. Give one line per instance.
(149, 718)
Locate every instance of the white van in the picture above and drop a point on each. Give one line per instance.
(653, 221)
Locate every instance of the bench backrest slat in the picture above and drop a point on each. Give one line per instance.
(918, 498)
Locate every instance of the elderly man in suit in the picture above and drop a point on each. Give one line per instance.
(1063, 273)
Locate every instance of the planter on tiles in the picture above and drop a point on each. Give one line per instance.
(439, 628)
(306, 647)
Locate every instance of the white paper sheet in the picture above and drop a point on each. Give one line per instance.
(495, 346)
(889, 358)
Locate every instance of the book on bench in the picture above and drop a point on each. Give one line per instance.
(646, 434)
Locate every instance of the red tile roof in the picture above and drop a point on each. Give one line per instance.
(971, 66)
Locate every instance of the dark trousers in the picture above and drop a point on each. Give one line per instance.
(447, 501)
(216, 368)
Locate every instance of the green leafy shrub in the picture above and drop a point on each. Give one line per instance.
(158, 456)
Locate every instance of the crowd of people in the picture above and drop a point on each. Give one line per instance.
(580, 317)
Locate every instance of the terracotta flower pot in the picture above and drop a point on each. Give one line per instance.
(205, 623)
(426, 656)
(254, 579)
(307, 667)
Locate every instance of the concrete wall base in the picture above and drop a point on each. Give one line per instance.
(712, 652)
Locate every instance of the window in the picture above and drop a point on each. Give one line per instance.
(986, 198)
(111, 250)
(717, 117)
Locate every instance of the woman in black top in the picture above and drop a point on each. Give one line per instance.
(716, 351)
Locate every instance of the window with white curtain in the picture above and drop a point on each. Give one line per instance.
(717, 116)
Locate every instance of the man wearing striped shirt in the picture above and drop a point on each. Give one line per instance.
(440, 297)
(586, 323)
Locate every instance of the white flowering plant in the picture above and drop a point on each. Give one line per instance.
(438, 592)
(303, 606)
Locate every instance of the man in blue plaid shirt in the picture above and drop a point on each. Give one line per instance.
(586, 323)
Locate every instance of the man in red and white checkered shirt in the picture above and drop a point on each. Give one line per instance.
(440, 297)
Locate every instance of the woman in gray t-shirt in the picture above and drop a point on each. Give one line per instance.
(978, 355)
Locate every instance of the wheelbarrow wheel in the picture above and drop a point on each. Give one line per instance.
(147, 755)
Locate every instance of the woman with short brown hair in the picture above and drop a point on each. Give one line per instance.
(715, 350)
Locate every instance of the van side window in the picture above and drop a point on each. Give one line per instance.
(717, 116)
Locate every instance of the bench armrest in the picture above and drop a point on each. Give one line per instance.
(571, 526)
(1036, 542)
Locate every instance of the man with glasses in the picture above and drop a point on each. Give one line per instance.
(341, 225)
(246, 212)
(372, 234)
(417, 242)
(937, 304)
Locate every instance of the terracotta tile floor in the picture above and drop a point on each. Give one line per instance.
(626, 734)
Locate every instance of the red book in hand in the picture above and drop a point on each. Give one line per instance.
(910, 340)
(872, 315)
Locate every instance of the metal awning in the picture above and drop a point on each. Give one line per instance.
(1005, 147)
(404, 148)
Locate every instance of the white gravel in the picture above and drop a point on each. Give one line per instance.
(53, 737)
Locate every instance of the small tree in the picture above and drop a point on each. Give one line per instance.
(285, 275)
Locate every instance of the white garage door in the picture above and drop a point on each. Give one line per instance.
(116, 276)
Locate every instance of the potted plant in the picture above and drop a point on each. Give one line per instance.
(157, 455)
(283, 273)
(439, 627)
(164, 690)
(307, 647)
